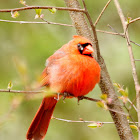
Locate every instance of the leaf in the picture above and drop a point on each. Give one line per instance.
(95, 125)
(117, 85)
(134, 127)
(104, 97)
(36, 16)
(22, 2)
(128, 117)
(38, 13)
(124, 92)
(102, 105)
(124, 99)
(15, 14)
(128, 20)
(10, 85)
(53, 10)
(121, 90)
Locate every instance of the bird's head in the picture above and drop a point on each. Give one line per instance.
(81, 45)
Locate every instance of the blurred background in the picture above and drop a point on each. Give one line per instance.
(24, 49)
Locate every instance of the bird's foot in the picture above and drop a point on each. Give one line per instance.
(57, 98)
(80, 98)
(65, 95)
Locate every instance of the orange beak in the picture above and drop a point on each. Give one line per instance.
(88, 50)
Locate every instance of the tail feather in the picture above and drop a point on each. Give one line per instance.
(40, 123)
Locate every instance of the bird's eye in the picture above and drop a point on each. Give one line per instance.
(79, 45)
(80, 48)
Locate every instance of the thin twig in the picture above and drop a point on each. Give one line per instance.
(42, 7)
(83, 121)
(48, 22)
(135, 43)
(129, 113)
(37, 92)
(134, 20)
(131, 21)
(102, 12)
(122, 35)
(132, 105)
(107, 87)
(91, 99)
(61, 24)
(32, 22)
(93, 30)
(137, 59)
(114, 30)
(20, 91)
(107, 32)
(134, 73)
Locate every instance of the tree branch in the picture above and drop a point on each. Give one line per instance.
(20, 91)
(102, 12)
(83, 121)
(36, 92)
(132, 105)
(134, 73)
(32, 22)
(122, 35)
(107, 32)
(79, 98)
(116, 33)
(77, 15)
(134, 20)
(137, 59)
(106, 85)
(42, 7)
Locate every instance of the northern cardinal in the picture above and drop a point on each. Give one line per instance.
(72, 70)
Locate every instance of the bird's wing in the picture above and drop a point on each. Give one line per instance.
(49, 62)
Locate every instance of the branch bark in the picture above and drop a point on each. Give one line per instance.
(83, 121)
(41, 7)
(133, 65)
(105, 84)
(33, 22)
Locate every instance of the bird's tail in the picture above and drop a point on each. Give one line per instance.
(40, 123)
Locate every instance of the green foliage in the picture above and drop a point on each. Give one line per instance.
(102, 104)
(95, 125)
(15, 14)
(122, 91)
(53, 10)
(104, 97)
(38, 13)
(10, 85)
(22, 2)
(134, 127)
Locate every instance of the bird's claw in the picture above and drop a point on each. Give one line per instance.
(57, 98)
(65, 94)
(80, 98)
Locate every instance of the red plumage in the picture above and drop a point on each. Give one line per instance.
(71, 69)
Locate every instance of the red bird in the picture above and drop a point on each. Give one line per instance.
(71, 69)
